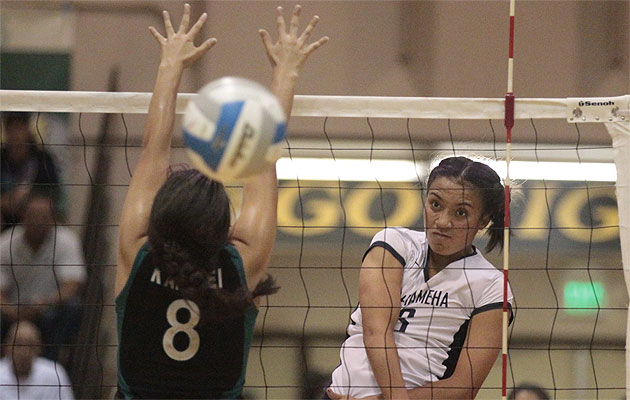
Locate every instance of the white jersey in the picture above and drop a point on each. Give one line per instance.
(47, 380)
(36, 274)
(434, 315)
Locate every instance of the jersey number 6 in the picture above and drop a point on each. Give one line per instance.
(403, 321)
(187, 328)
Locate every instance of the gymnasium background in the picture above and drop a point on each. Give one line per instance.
(413, 48)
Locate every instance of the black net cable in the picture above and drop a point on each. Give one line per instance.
(450, 135)
(588, 260)
(354, 267)
(413, 157)
(466, 348)
(262, 346)
(315, 146)
(494, 141)
(344, 307)
(85, 163)
(300, 260)
(122, 117)
(291, 336)
(391, 296)
(53, 207)
(344, 225)
(91, 230)
(558, 227)
(547, 255)
(18, 297)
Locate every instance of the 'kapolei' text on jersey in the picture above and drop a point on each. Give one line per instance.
(434, 315)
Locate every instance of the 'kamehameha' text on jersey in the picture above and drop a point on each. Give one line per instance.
(434, 315)
(165, 351)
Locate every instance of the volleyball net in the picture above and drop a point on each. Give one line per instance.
(353, 165)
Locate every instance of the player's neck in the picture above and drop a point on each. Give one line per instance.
(438, 262)
(35, 242)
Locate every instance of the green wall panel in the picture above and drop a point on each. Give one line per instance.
(30, 71)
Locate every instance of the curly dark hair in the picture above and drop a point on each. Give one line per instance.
(188, 229)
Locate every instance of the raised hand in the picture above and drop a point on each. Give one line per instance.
(178, 48)
(291, 50)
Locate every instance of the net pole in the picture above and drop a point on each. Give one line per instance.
(620, 133)
(509, 124)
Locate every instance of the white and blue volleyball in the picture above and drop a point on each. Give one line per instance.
(233, 129)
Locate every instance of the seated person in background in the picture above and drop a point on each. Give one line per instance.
(23, 166)
(43, 264)
(25, 375)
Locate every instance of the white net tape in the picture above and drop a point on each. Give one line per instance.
(304, 106)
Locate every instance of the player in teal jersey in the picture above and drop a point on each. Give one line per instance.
(187, 279)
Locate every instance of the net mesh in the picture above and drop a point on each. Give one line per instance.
(371, 156)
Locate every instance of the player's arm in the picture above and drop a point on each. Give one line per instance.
(177, 53)
(478, 355)
(380, 282)
(254, 231)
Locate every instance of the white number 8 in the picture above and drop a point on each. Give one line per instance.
(193, 337)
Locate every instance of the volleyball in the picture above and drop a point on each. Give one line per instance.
(233, 128)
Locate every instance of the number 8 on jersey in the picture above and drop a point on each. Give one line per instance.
(187, 328)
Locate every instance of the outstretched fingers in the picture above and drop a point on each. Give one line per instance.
(316, 45)
(179, 47)
(268, 43)
(183, 25)
(295, 21)
(167, 24)
(282, 30)
(309, 29)
(160, 39)
(202, 49)
(198, 25)
(207, 45)
(290, 49)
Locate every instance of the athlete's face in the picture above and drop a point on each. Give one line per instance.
(453, 213)
(17, 141)
(38, 219)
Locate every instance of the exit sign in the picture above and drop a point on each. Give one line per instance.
(583, 297)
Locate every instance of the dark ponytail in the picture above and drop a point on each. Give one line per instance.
(485, 179)
(188, 228)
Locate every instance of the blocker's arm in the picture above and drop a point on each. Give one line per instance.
(254, 231)
(178, 53)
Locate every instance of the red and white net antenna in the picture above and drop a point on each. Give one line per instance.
(509, 123)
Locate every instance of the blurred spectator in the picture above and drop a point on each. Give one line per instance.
(25, 375)
(23, 167)
(43, 264)
(528, 391)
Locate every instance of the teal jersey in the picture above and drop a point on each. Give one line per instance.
(165, 351)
